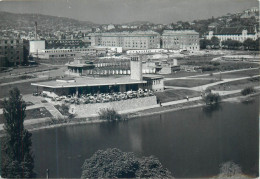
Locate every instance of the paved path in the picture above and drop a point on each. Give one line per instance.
(203, 87)
(54, 112)
(216, 73)
(221, 93)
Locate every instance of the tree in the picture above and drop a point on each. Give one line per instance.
(204, 43)
(230, 170)
(248, 43)
(17, 160)
(231, 44)
(114, 163)
(247, 91)
(211, 98)
(109, 115)
(215, 42)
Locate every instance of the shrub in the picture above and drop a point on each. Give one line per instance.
(247, 90)
(212, 98)
(230, 170)
(109, 115)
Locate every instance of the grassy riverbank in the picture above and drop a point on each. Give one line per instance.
(53, 123)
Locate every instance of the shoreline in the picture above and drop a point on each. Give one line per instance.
(130, 115)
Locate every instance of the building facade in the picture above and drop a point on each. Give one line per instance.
(234, 33)
(70, 52)
(126, 40)
(183, 39)
(12, 51)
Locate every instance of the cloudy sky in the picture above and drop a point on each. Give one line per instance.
(122, 11)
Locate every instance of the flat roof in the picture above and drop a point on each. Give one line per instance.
(89, 81)
(152, 77)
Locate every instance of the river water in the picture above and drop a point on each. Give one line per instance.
(190, 143)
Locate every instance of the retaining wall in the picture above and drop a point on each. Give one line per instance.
(85, 110)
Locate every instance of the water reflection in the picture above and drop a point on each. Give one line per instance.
(210, 109)
(190, 143)
(248, 101)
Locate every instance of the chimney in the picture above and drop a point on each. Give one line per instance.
(35, 31)
(136, 68)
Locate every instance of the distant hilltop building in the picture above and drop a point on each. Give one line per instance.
(110, 27)
(126, 40)
(234, 33)
(180, 39)
(253, 12)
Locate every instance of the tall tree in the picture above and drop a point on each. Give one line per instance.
(17, 159)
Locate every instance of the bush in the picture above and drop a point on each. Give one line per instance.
(114, 163)
(230, 170)
(212, 98)
(109, 115)
(247, 90)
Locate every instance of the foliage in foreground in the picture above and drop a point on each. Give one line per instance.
(109, 115)
(113, 163)
(17, 159)
(230, 170)
(247, 90)
(211, 98)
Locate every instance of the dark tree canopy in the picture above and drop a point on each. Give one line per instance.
(211, 98)
(113, 163)
(17, 160)
(215, 41)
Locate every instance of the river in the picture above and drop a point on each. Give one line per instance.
(190, 143)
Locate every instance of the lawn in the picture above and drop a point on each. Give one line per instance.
(25, 88)
(23, 77)
(239, 84)
(32, 114)
(27, 70)
(175, 94)
(214, 66)
(188, 82)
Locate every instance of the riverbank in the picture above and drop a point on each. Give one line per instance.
(49, 123)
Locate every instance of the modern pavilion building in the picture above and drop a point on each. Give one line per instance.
(87, 84)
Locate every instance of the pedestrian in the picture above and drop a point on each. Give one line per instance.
(187, 98)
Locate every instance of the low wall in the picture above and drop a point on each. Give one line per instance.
(85, 110)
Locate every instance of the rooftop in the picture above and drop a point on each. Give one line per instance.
(126, 33)
(172, 32)
(88, 81)
(234, 30)
(152, 77)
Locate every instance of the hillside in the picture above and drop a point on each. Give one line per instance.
(45, 22)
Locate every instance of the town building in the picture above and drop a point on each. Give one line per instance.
(88, 84)
(234, 33)
(78, 66)
(166, 66)
(12, 50)
(65, 43)
(110, 27)
(126, 40)
(180, 39)
(253, 12)
(146, 51)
